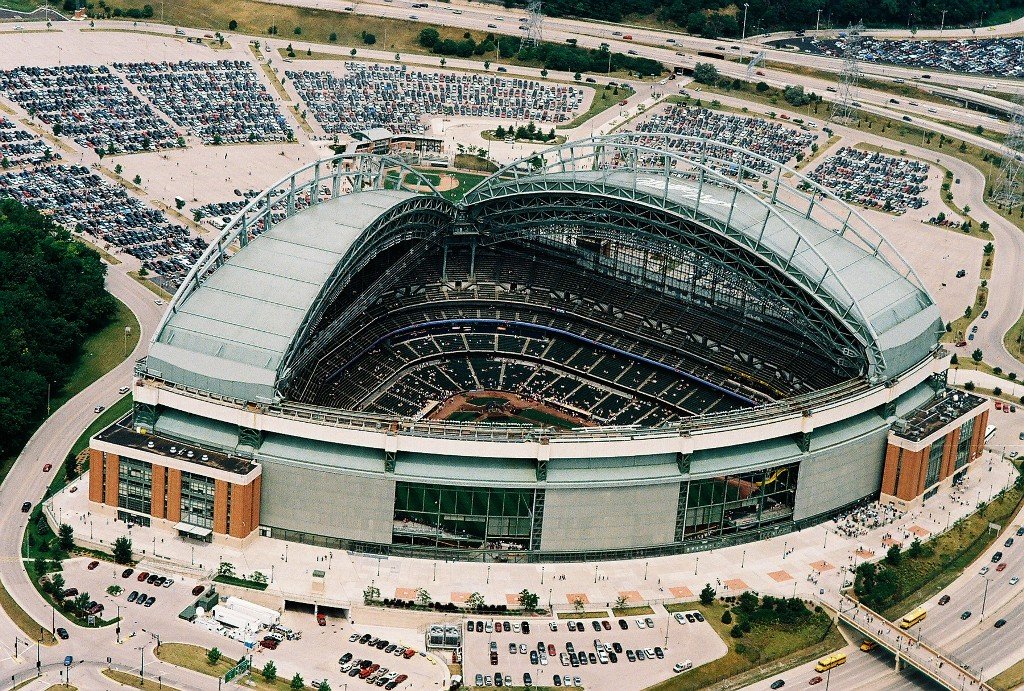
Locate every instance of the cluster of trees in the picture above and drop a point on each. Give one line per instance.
(749, 610)
(101, 9)
(564, 57)
(51, 299)
(530, 132)
(714, 18)
(878, 585)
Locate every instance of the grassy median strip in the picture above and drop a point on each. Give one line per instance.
(1010, 678)
(133, 680)
(32, 628)
(765, 649)
(896, 585)
(193, 657)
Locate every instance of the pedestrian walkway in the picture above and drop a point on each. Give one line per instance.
(804, 563)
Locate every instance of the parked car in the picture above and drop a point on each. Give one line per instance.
(26, 507)
(143, 576)
(944, 600)
(62, 633)
(133, 596)
(92, 565)
(127, 572)
(321, 619)
(47, 467)
(198, 590)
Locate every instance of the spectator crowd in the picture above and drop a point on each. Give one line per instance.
(82, 201)
(874, 180)
(397, 98)
(1003, 57)
(219, 102)
(89, 104)
(18, 147)
(769, 139)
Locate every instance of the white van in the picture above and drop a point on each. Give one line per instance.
(682, 666)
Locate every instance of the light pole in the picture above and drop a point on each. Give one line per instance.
(743, 559)
(695, 565)
(984, 597)
(817, 23)
(745, 6)
(943, 24)
(488, 573)
(542, 574)
(646, 564)
(127, 333)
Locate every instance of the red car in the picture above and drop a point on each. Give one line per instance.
(321, 619)
(47, 467)
(1001, 567)
(144, 575)
(408, 653)
(198, 590)
(269, 643)
(93, 565)
(815, 680)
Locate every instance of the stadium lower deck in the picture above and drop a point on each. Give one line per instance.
(552, 343)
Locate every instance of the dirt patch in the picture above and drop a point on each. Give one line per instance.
(502, 406)
(445, 182)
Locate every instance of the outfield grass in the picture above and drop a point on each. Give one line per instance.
(472, 162)
(545, 418)
(764, 651)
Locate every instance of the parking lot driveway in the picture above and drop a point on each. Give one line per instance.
(694, 641)
(315, 656)
(167, 603)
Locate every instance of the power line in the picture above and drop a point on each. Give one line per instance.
(534, 24)
(843, 109)
(1009, 187)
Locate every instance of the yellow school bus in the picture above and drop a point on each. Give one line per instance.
(829, 661)
(913, 618)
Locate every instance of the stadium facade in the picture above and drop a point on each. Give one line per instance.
(624, 346)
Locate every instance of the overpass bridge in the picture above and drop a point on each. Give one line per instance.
(908, 649)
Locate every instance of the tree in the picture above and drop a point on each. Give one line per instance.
(726, 617)
(977, 355)
(707, 595)
(324, 686)
(368, 38)
(258, 577)
(118, 169)
(352, 52)
(544, 73)
(137, 180)
(954, 360)
(989, 248)
(297, 682)
(269, 671)
(893, 555)
(371, 594)
(527, 600)
(577, 76)
(226, 569)
(423, 597)
(429, 38)
(298, 31)
(58, 584)
(81, 602)
(620, 602)
(443, 62)
(57, 129)
(487, 64)
(122, 549)
(232, 25)
(577, 604)
(705, 73)
(475, 601)
(66, 536)
(333, 38)
(213, 655)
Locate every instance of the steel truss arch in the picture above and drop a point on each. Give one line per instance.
(621, 166)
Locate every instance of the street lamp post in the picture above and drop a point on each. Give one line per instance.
(817, 23)
(984, 597)
(943, 24)
(745, 6)
(646, 564)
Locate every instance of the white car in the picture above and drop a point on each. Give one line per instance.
(353, 638)
(515, 627)
(678, 616)
(984, 570)
(1014, 581)
(553, 626)
(169, 582)
(522, 648)
(347, 666)
(641, 624)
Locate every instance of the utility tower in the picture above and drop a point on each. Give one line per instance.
(1009, 187)
(843, 110)
(534, 24)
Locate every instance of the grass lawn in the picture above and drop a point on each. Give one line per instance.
(762, 652)
(962, 324)
(1013, 339)
(471, 162)
(133, 680)
(101, 352)
(583, 615)
(603, 100)
(194, 658)
(1010, 678)
(632, 611)
(22, 620)
(949, 554)
(62, 687)
(152, 287)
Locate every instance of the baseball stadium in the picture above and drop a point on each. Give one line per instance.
(619, 347)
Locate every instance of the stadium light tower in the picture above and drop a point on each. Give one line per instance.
(746, 6)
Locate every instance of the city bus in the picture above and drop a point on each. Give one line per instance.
(829, 661)
(913, 618)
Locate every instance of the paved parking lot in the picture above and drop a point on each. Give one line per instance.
(695, 641)
(168, 602)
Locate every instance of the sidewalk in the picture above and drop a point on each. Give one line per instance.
(798, 563)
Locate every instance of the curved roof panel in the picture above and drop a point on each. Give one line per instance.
(230, 335)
